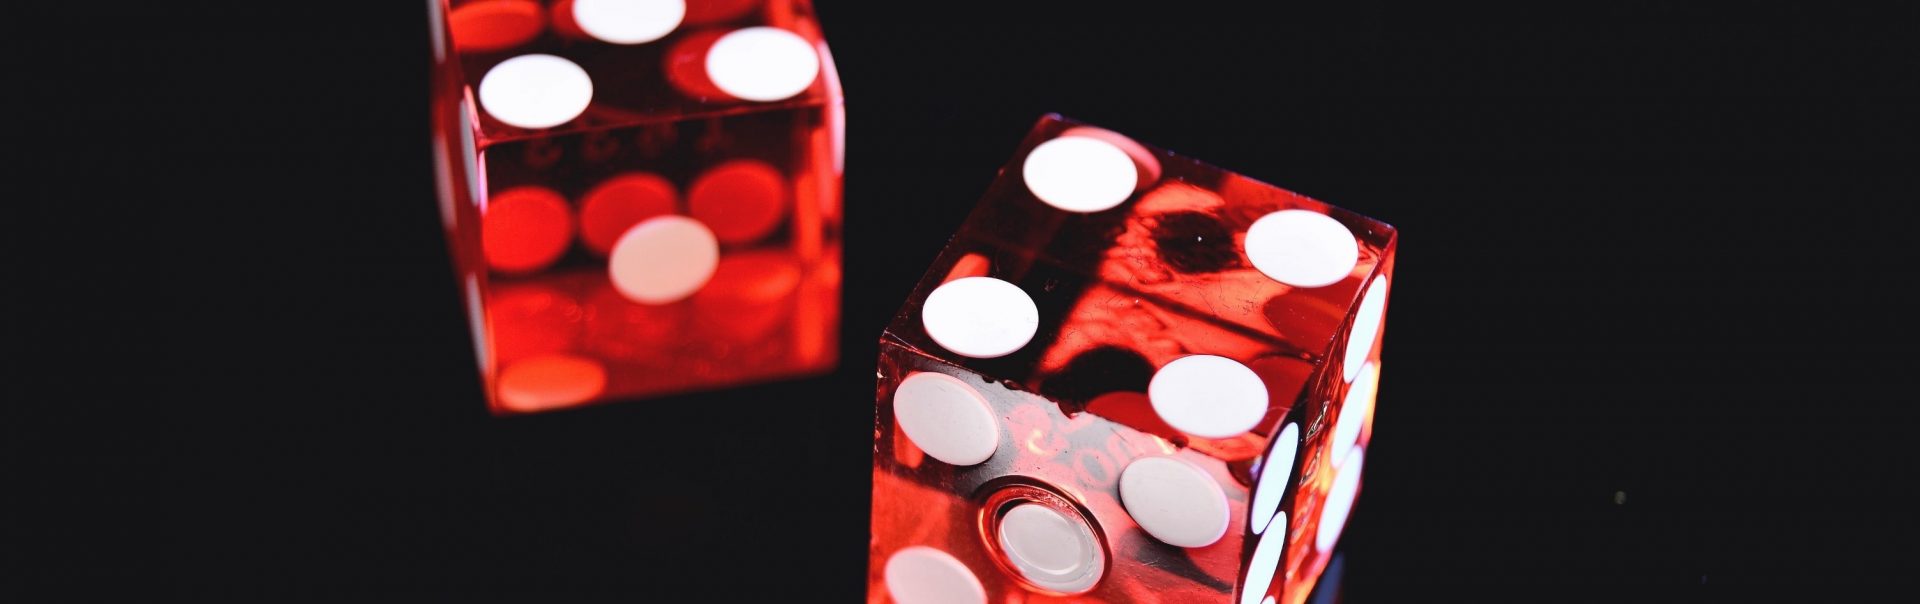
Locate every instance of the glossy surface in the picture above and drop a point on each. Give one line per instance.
(624, 226)
(1160, 283)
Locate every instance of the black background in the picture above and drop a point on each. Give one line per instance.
(1649, 337)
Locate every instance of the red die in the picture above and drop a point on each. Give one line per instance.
(1131, 377)
(642, 196)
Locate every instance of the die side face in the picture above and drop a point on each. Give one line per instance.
(1329, 480)
(642, 197)
(920, 500)
(1116, 326)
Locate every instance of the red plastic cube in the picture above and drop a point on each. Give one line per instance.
(641, 196)
(1131, 377)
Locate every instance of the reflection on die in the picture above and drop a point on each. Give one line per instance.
(642, 196)
(1130, 377)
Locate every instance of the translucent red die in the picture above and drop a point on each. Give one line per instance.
(1130, 377)
(641, 196)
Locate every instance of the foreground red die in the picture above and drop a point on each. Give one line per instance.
(1131, 377)
(642, 196)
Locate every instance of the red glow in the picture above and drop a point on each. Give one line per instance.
(526, 320)
(905, 452)
(490, 25)
(703, 12)
(816, 188)
(970, 265)
(550, 381)
(817, 311)
(561, 13)
(752, 277)
(621, 202)
(622, 331)
(525, 229)
(749, 323)
(743, 301)
(741, 200)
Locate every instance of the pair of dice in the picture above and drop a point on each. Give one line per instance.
(1130, 377)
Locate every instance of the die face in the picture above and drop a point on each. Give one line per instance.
(543, 68)
(1038, 453)
(1181, 236)
(1185, 313)
(1330, 476)
(644, 247)
(1163, 274)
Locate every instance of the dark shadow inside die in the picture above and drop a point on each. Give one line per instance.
(1097, 371)
(1194, 242)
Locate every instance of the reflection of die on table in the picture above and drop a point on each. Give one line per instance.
(641, 196)
(1130, 377)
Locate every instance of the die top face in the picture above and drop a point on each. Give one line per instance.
(535, 69)
(1097, 268)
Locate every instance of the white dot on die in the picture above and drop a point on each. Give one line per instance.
(1264, 564)
(1366, 326)
(1353, 414)
(663, 259)
(628, 21)
(946, 418)
(980, 317)
(1050, 549)
(1174, 501)
(762, 64)
(1275, 471)
(535, 91)
(1346, 486)
(1302, 248)
(1079, 174)
(924, 575)
(1208, 396)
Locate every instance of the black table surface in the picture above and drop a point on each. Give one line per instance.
(1650, 336)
